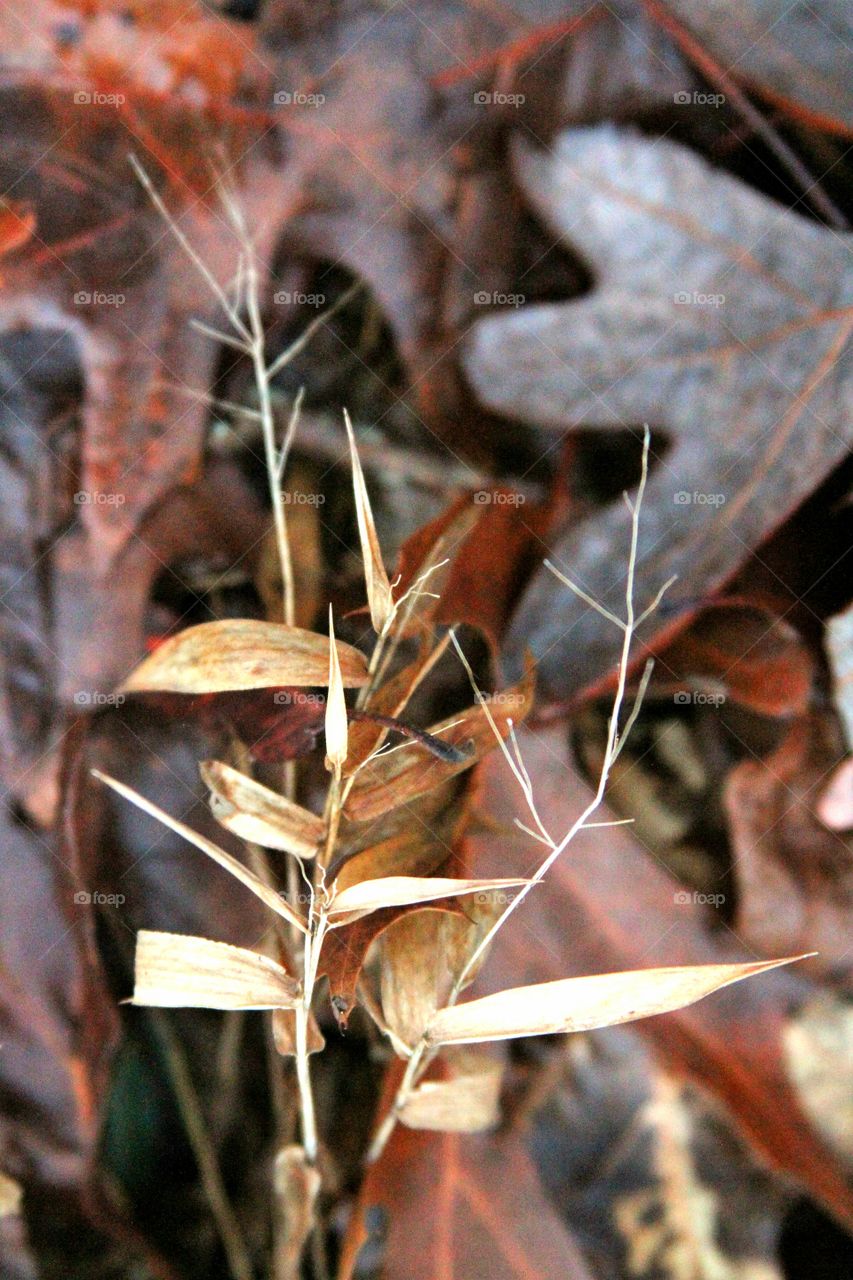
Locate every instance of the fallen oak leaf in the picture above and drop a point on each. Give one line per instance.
(720, 318)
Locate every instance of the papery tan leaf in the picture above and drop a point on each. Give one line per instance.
(392, 780)
(465, 1102)
(10, 1196)
(296, 1184)
(422, 956)
(266, 894)
(580, 1004)
(336, 708)
(284, 1033)
(379, 598)
(242, 653)
(399, 891)
(257, 814)
(175, 970)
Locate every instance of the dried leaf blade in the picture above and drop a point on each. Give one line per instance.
(465, 1102)
(379, 598)
(582, 1004)
(257, 814)
(263, 891)
(398, 891)
(243, 653)
(176, 970)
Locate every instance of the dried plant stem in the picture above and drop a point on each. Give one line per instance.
(250, 338)
(273, 461)
(236, 1250)
(421, 1054)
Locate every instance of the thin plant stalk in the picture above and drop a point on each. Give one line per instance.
(421, 1053)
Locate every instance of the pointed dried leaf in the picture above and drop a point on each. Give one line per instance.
(465, 1102)
(379, 598)
(266, 894)
(242, 653)
(398, 891)
(175, 970)
(581, 1004)
(336, 708)
(257, 814)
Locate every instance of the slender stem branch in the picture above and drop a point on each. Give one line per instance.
(422, 1054)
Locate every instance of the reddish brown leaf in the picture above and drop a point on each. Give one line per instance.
(794, 875)
(463, 1207)
(744, 652)
(345, 951)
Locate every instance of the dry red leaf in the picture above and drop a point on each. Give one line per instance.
(744, 651)
(463, 1207)
(794, 875)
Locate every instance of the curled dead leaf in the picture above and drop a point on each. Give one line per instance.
(255, 813)
(391, 780)
(243, 653)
